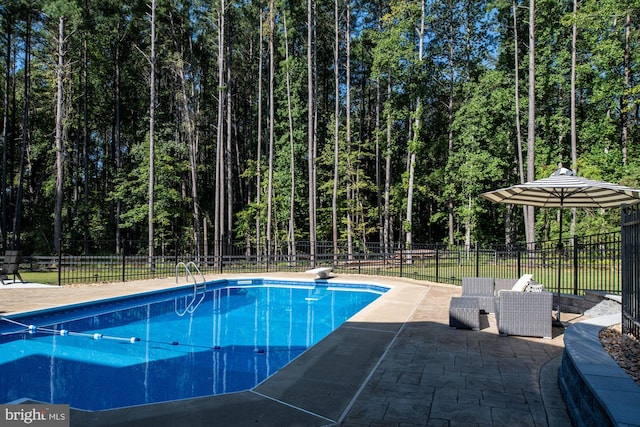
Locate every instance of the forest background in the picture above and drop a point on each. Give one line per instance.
(274, 122)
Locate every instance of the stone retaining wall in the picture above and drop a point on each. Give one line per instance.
(583, 406)
(597, 391)
(580, 304)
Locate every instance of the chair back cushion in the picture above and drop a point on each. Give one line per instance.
(522, 283)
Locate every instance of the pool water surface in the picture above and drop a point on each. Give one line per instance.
(170, 345)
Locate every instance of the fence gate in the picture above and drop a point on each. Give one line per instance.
(630, 225)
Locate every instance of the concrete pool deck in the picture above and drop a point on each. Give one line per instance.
(396, 363)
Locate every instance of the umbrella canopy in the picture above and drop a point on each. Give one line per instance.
(563, 189)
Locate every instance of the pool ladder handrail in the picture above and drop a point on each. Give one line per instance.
(197, 287)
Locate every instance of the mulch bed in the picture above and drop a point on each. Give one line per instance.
(624, 348)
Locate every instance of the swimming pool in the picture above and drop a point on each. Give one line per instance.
(165, 346)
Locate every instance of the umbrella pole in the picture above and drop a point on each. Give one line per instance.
(560, 250)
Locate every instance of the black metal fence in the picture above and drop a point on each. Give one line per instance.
(578, 264)
(631, 270)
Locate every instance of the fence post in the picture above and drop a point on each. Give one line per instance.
(575, 265)
(401, 260)
(221, 258)
(519, 254)
(267, 253)
(124, 262)
(60, 263)
(477, 260)
(437, 263)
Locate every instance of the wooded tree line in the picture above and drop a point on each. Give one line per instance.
(273, 122)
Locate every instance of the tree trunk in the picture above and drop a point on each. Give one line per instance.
(574, 133)
(192, 142)
(387, 177)
(17, 218)
(467, 226)
(117, 127)
(408, 222)
(152, 114)
(259, 246)
(531, 129)
(413, 142)
(516, 67)
(228, 229)
(627, 85)
(450, 112)
(379, 183)
(311, 129)
(271, 124)
(351, 202)
(85, 140)
(574, 47)
(291, 239)
(59, 132)
(220, 174)
(379, 203)
(5, 136)
(336, 137)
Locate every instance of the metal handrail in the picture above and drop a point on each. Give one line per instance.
(197, 286)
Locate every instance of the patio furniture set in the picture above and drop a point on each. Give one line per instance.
(521, 307)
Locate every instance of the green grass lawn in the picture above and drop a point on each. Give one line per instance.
(46, 277)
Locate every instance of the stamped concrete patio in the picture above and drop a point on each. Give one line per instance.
(396, 363)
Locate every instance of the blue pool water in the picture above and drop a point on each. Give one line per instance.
(156, 347)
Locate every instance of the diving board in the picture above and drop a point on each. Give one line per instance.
(321, 272)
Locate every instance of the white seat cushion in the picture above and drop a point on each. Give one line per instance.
(522, 283)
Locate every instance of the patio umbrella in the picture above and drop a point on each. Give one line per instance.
(563, 189)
